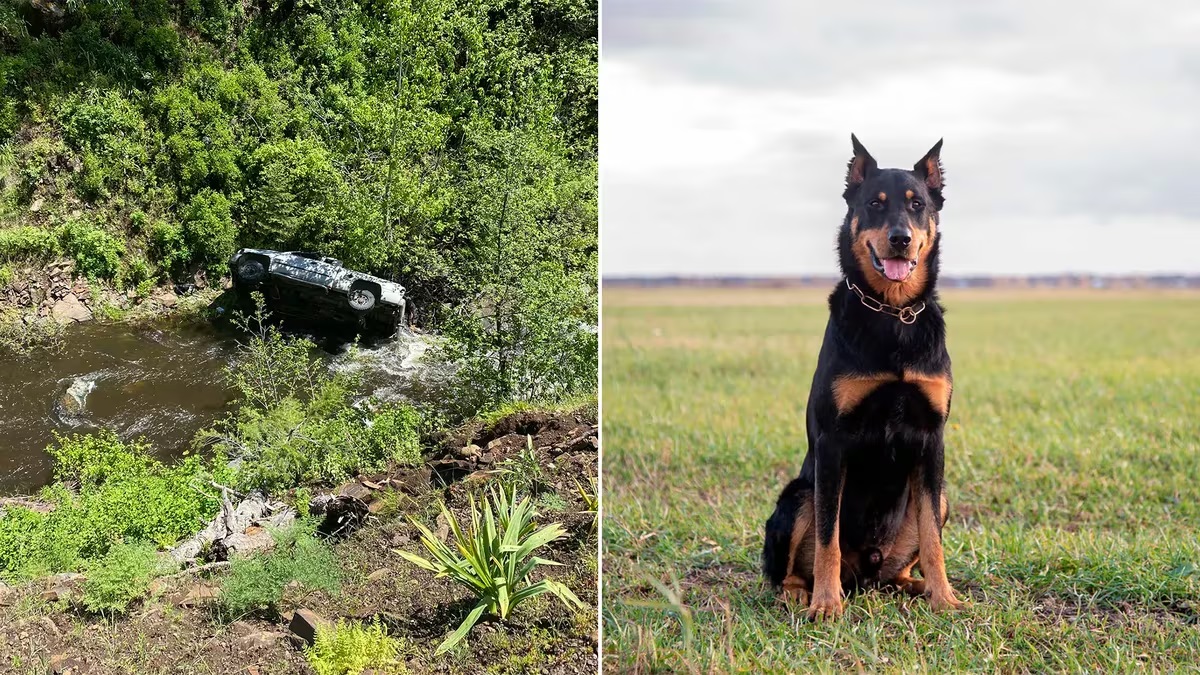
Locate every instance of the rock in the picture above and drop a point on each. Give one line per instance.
(470, 451)
(400, 539)
(305, 623)
(167, 298)
(372, 485)
(70, 309)
(501, 442)
(585, 444)
(56, 593)
(379, 574)
(63, 664)
(262, 639)
(37, 205)
(355, 490)
(7, 594)
(415, 481)
(199, 595)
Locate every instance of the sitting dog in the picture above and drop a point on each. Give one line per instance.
(868, 504)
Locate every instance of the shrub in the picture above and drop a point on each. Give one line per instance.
(349, 648)
(27, 242)
(208, 229)
(493, 558)
(97, 253)
(394, 434)
(169, 247)
(297, 423)
(256, 584)
(98, 478)
(120, 577)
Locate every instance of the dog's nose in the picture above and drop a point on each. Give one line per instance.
(900, 238)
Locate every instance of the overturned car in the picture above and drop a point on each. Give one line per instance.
(310, 286)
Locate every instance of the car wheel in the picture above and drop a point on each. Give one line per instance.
(251, 271)
(361, 299)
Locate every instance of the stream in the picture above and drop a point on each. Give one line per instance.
(162, 382)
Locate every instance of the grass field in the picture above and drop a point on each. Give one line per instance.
(1073, 474)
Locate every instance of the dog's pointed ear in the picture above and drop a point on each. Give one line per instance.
(929, 169)
(861, 166)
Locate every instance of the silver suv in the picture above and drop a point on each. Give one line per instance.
(309, 285)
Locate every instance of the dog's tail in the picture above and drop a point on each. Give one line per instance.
(778, 540)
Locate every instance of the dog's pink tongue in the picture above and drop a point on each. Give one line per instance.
(896, 269)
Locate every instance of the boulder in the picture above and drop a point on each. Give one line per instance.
(305, 623)
(199, 595)
(70, 309)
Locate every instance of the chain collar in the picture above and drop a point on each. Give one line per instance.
(906, 315)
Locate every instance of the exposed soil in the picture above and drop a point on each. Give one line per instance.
(177, 629)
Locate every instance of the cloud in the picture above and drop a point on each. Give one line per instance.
(724, 131)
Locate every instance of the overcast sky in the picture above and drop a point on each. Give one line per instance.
(1072, 131)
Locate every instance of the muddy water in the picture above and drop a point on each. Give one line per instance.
(158, 382)
(163, 383)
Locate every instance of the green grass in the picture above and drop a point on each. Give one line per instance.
(1073, 474)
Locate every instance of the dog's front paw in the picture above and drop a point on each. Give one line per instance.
(943, 600)
(825, 605)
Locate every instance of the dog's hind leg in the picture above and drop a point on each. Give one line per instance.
(787, 548)
(930, 520)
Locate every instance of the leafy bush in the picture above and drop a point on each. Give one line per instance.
(297, 423)
(349, 648)
(97, 253)
(122, 576)
(98, 477)
(256, 584)
(493, 558)
(21, 338)
(208, 229)
(26, 242)
(169, 248)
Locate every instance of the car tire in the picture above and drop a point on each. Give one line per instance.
(361, 299)
(251, 271)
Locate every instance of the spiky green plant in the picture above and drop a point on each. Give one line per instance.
(494, 557)
(591, 499)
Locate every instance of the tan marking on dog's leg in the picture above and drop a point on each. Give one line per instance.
(850, 390)
(933, 563)
(826, 600)
(902, 552)
(936, 388)
(795, 589)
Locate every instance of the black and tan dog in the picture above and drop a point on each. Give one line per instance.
(868, 504)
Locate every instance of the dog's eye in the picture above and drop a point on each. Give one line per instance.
(917, 205)
(875, 204)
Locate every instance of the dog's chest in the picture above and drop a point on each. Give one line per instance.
(892, 395)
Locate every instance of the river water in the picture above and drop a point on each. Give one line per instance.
(161, 382)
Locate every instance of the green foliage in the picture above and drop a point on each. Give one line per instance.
(390, 135)
(493, 558)
(523, 472)
(351, 647)
(208, 229)
(169, 247)
(98, 477)
(20, 337)
(28, 242)
(97, 252)
(122, 576)
(258, 583)
(297, 424)
(590, 495)
(527, 331)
